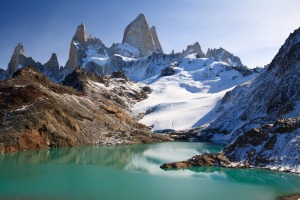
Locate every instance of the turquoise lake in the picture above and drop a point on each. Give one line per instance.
(132, 172)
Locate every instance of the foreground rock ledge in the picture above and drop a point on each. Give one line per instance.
(207, 159)
(290, 197)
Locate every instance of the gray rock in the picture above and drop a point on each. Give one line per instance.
(168, 71)
(52, 64)
(138, 34)
(80, 44)
(18, 59)
(191, 49)
(224, 56)
(52, 69)
(155, 39)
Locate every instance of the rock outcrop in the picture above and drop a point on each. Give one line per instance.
(18, 59)
(52, 70)
(168, 71)
(274, 146)
(139, 35)
(207, 159)
(222, 55)
(52, 63)
(76, 51)
(80, 35)
(155, 40)
(51, 115)
(271, 146)
(79, 47)
(290, 197)
(193, 49)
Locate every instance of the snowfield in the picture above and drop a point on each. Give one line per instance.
(187, 99)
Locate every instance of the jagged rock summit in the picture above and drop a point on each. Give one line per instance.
(193, 49)
(223, 55)
(53, 62)
(18, 59)
(139, 35)
(76, 54)
(52, 69)
(157, 44)
(79, 47)
(80, 34)
(139, 41)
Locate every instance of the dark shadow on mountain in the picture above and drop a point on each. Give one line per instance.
(208, 117)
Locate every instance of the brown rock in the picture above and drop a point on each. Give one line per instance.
(80, 35)
(37, 113)
(290, 197)
(76, 51)
(206, 159)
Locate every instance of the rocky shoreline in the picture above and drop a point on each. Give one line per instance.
(88, 111)
(217, 160)
(206, 159)
(290, 197)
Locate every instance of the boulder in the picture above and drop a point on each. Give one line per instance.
(168, 71)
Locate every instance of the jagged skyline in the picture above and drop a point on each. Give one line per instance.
(246, 29)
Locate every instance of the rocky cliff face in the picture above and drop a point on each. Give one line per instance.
(76, 50)
(222, 55)
(271, 96)
(52, 63)
(80, 35)
(261, 118)
(52, 70)
(139, 35)
(81, 46)
(18, 59)
(193, 49)
(155, 40)
(51, 115)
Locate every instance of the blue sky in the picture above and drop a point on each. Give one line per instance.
(253, 30)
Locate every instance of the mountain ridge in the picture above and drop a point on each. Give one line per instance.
(259, 120)
(53, 115)
(92, 54)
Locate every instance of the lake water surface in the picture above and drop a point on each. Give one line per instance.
(132, 172)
